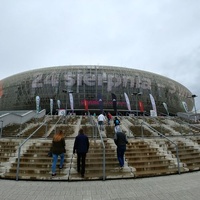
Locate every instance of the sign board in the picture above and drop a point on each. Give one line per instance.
(61, 112)
(153, 113)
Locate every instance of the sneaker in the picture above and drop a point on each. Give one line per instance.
(60, 167)
(53, 174)
(82, 175)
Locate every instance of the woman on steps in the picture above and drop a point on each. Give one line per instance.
(58, 149)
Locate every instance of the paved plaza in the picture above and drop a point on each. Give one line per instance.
(173, 187)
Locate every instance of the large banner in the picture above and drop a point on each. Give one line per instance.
(127, 101)
(51, 106)
(37, 99)
(141, 106)
(86, 104)
(58, 103)
(166, 108)
(185, 106)
(71, 100)
(100, 102)
(114, 100)
(153, 103)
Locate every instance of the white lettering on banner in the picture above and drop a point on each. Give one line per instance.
(113, 81)
(127, 79)
(52, 79)
(69, 79)
(99, 79)
(172, 88)
(92, 79)
(146, 83)
(37, 81)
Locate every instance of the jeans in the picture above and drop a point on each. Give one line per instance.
(55, 159)
(101, 125)
(81, 162)
(120, 154)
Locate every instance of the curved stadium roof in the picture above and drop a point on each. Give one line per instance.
(18, 92)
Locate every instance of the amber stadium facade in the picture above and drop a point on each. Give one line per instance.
(90, 83)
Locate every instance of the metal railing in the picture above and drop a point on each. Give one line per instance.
(55, 125)
(20, 146)
(181, 123)
(104, 153)
(1, 128)
(160, 134)
(95, 130)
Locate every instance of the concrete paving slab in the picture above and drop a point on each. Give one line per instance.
(173, 187)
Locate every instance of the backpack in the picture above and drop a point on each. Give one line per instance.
(117, 122)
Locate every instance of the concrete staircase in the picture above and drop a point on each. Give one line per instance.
(144, 156)
(189, 154)
(94, 162)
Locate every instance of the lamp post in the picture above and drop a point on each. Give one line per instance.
(136, 100)
(193, 96)
(1, 128)
(67, 92)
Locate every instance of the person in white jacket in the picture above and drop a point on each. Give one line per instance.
(101, 119)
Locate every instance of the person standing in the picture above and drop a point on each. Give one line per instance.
(58, 149)
(116, 123)
(81, 147)
(109, 116)
(101, 119)
(120, 140)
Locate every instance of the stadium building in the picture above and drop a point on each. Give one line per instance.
(82, 87)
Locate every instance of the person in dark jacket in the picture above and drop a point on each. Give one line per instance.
(120, 140)
(81, 147)
(58, 149)
(116, 121)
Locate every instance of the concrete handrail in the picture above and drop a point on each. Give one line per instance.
(177, 155)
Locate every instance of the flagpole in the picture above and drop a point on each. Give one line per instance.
(136, 100)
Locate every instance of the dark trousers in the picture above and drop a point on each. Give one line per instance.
(120, 154)
(81, 162)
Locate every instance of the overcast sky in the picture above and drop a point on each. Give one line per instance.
(160, 36)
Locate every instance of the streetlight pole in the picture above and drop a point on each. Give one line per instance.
(66, 92)
(136, 100)
(193, 96)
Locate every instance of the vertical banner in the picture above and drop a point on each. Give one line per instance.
(37, 99)
(114, 100)
(100, 102)
(86, 104)
(153, 103)
(185, 106)
(51, 106)
(166, 108)
(127, 101)
(58, 103)
(71, 100)
(141, 106)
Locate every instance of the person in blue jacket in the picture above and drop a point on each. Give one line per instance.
(81, 147)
